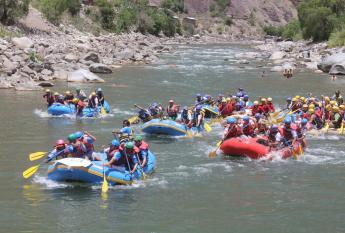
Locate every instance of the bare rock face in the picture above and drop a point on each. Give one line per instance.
(338, 69)
(22, 42)
(335, 61)
(83, 76)
(278, 55)
(92, 57)
(100, 68)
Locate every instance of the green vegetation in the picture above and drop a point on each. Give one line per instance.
(10, 10)
(120, 15)
(318, 20)
(219, 8)
(337, 38)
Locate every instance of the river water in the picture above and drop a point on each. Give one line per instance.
(189, 191)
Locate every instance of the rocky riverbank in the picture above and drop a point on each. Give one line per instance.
(299, 56)
(32, 61)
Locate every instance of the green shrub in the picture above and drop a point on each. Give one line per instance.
(107, 18)
(337, 38)
(273, 31)
(12, 9)
(292, 31)
(125, 19)
(228, 21)
(53, 9)
(74, 7)
(174, 5)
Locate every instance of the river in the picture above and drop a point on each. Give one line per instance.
(189, 192)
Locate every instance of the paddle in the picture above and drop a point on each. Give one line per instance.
(325, 129)
(341, 130)
(213, 153)
(129, 166)
(207, 127)
(37, 155)
(143, 175)
(105, 186)
(103, 112)
(32, 170)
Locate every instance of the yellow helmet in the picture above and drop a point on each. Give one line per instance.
(228, 99)
(333, 102)
(312, 106)
(269, 99)
(342, 107)
(224, 100)
(93, 93)
(56, 93)
(305, 106)
(256, 102)
(302, 98)
(329, 107)
(327, 98)
(297, 96)
(335, 109)
(75, 100)
(294, 99)
(311, 110)
(67, 92)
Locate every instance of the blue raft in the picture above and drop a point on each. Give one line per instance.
(58, 109)
(167, 127)
(82, 170)
(210, 111)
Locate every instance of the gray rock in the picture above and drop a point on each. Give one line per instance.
(4, 83)
(22, 42)
(327, 63)
(17, 58)
(83, 75)
(338, 69)
(46, 84)
(8, 66)
(60, 74)
(100, 68)
(27, 70)
(92, 57)
(71, 57)
(126, 54)
(46, 72)
(277, 55)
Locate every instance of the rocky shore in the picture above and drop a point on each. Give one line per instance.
(33, 61)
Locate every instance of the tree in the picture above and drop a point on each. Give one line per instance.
(12, 9)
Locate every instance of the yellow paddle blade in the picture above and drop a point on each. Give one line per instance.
(30, 171)
(37, 155)
(103, 111)
(275, 114)
(219, 143)
(341, 130)
(301, 152)
(212, 154)
(105, 186)
(133, 119)
(325, 129)
(207, 127)
(189, 134)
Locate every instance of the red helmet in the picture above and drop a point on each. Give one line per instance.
(60, 143)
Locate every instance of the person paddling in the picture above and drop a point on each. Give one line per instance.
(49, 97)
(172, 110)
(59, 152)
(143, 150)
(232, 130)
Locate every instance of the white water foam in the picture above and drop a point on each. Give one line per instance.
(50, 184)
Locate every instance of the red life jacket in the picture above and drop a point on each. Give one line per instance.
(286, 133)
(143, 146)
(233, 131)
(248, 129)
(306, 115)
(172, 111)
(271, 107)
(255, 110)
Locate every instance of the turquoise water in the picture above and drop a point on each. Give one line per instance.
(189, 191)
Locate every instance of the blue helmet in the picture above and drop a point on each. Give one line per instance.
(245, 97)
(274, 128)
(198, 95)
(289, 98)
(287, 121)
(154, 104)
(199, 107)
(70, 149)
(246, 118)
(231, 120)
(115, 143)
(304, 121)
(257, 115)
(79, 134)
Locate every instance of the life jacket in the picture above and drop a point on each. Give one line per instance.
(50, 98)
(88, 145)
(79, 151)
(271, 107)
(337, 123)
(92, 102)
(196, 116)
(261, 127)
(100, 97)
(287, 133)
(234, 131)
(272, 136)
(111, 153)
(317, 121)
(248, 129)
(144, 115)
(305, 115)
(227, 109)
(123, 160)
(172, 111)
(255, 110)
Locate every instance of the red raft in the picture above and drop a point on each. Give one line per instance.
(253, 148)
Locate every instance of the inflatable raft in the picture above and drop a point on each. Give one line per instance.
(165, 127)
(82, 170)
(210, 111)
(58, 109)
(253, 148)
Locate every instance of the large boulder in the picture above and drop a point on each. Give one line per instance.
(126, 54)
(83, 75)
(71, 57)
(327, 63)
(92, 57)
(277, 55)
(22, 42)
(338, 69)
(100, 68)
